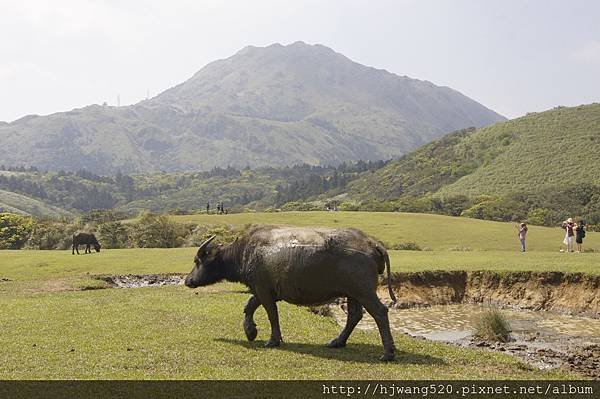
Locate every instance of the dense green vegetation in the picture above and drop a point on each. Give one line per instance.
(59, 193)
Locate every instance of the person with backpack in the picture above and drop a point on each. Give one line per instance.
(579, 235)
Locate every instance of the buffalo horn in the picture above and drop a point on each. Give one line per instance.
(205, 243)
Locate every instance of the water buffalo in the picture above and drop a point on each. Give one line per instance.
(303, 266)
(86, 239)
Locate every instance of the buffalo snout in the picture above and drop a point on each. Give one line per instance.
(189, 281)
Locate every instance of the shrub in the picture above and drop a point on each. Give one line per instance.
(52, 235)
(541, 216)
(491, 325)
(374, 206)
(498, 209)
(14, 230)
(301, 206)
(157, 231)
(349, 206)
(113, 235)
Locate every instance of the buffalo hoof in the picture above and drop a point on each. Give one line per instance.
(251, 331)
(387, 357)
(273, 343)
(335, 343)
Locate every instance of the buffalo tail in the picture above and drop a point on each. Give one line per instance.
(386, 260)
(389, 276)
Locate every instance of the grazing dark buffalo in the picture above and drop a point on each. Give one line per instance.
(303, 266)
(86, 239)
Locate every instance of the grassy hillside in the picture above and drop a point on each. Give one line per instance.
(544, 150)
(17, 203)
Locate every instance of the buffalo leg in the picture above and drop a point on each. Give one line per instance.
(87, 249)
(76, 248)
(249, 324)
(380, 313)
(354, 316)
(268, 302)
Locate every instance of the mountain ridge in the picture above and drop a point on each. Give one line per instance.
(539, 150)
(263, 106)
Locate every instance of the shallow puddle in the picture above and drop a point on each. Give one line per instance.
(452, 323)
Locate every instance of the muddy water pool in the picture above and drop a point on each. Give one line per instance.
(542, 339)
(456, 322)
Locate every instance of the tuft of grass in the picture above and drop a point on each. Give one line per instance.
(491, 325)
(407, 246)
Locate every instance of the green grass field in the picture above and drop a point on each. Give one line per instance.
(57, 324)
(435, 232)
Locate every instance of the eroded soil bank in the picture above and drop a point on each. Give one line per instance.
(551, 313)
(570, 293)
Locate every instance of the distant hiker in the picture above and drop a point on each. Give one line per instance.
(579, 235)
(207, 208)
(567, 225)
(522, 234)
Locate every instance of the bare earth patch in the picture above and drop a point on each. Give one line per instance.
(142, 280)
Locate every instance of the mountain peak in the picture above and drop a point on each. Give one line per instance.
(264, 106)
(278, 47)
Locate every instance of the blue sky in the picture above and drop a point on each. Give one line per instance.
(512, 56)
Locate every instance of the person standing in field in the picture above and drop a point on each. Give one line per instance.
(569, 233)
(579, 235)
(522, 234)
